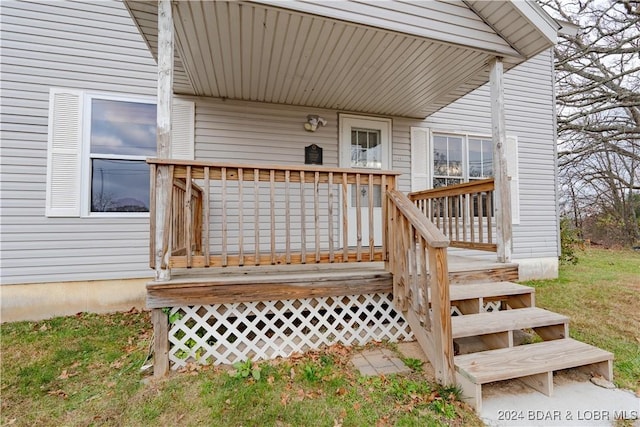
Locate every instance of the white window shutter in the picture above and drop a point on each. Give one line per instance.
(419, 159)
(182, 130)
(63, 153)
(514, 180)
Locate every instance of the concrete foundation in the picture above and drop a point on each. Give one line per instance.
(37, 301)
(537, 268)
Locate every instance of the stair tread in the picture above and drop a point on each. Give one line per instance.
(489, 289)
(529, 359)
(502, 321)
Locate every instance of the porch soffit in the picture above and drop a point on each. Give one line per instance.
(250, 51)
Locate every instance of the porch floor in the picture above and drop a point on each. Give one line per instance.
(255, 274)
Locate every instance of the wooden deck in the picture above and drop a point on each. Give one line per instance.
(267, 283)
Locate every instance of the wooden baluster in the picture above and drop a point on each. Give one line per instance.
(472, 199)
(489, 215)
(152, 216)
(450, 216)
(287, 202)
(166, 242)
(316, 212)
(465, 208)
(358, 220)
(480, 218)
(188, 217)
(371, 237)
(256, 213)
(205, 215)
(330, 208)
(272, 211)
(223, 183)
(458, 204)
(413, 269)
(385, 217)
(240, 218)
(303, 226)
(345, 219)
(425, 317)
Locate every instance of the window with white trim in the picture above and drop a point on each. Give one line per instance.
(446, 158)
(122, 134)
(460, 158)
(97, 147)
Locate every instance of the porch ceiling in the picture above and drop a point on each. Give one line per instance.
(319, 56)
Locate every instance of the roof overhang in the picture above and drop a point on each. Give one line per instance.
(387, 58)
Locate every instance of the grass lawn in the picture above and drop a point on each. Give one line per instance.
(85, 369)
(601, 295)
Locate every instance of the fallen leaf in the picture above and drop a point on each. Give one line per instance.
(64, 375)
(43, 328)
(341, 391)
(117, 364)
(59, 393)
(270, 380)
(284, 399)
(356, 406)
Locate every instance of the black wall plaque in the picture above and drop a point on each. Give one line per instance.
(312, 155)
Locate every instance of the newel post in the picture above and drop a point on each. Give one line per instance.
(502, 196)
(163, 173)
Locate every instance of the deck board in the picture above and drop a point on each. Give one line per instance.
(529, 359)
(504, 321)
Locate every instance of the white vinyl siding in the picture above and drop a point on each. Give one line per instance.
(529, 118)
(94, 46)
(84, 46)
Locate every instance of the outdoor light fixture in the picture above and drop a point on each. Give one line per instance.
(312, 123)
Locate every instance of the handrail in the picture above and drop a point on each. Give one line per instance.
(270, 214)
(418, 262)
(463, 212)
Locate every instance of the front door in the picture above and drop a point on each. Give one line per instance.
(364, 144)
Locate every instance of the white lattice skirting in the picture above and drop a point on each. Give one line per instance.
(228, 333)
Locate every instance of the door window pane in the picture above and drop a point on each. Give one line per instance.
(366, 148)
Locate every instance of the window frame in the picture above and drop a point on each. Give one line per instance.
(465, 136)
(87, 157)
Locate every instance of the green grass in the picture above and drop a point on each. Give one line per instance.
(85, 370)
(601, 295)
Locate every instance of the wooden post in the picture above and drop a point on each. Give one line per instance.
(441, 306)
(160, 322)
(502, 198)
(163, 180)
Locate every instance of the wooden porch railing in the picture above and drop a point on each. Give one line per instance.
(463, 212)
(236, 215)
(418, 261)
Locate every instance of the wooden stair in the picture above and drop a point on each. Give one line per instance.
(501, 358)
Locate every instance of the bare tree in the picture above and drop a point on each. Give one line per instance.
(598, 103)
